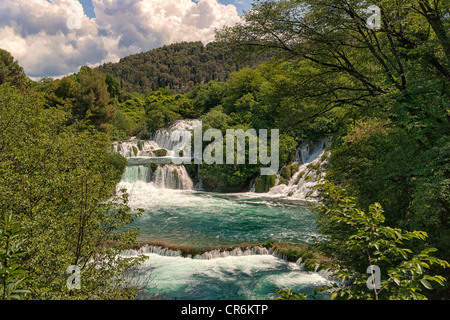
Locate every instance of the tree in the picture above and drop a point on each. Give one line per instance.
(12, 276)
(11, 71)
(333, 35)
(59, 181)
(180, 66)
(92, 97)
(160, 110)
(363, 241)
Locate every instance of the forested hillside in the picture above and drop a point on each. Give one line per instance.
(178, 67)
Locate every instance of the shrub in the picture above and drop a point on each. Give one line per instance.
(160, 152)
(264, 183)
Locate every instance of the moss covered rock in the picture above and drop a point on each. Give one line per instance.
(160, 152)
(264, 183)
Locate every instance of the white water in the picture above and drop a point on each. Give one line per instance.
(130, 148)
(222, 253)
(176, 136)
(245, 276)
(309, 157)
(141, 153)
(175, 213)
(179, 132)
(166, 176)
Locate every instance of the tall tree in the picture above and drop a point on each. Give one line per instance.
(10, 70)
(59, 182)
(390, 83)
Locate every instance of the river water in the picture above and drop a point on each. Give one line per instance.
(177, 215)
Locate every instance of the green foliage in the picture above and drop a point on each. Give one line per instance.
(130, 117)
(10, 71)
(289, 254)
(264, 183)
(206, 97)
(227, 178)
(159, 110)
(289, 295)
(268, 244)
(113, 85)
(288, 171)
(405, 268)
(92, 97)
(59, 182)
(215, 119)
(160, 152)
(179, 67)
(12, 276)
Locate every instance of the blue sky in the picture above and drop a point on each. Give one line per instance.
(49, 37)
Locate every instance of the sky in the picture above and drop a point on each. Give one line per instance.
(54, 38)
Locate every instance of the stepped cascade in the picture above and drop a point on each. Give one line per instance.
(178, 134)
(310, 158)
(179, 214)
(144, 165)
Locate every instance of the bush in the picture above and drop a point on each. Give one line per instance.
(264, 183)
(154, 166)
(160, 152)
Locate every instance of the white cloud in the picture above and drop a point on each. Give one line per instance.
(36, 32)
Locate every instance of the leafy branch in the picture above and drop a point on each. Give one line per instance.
(12, 277)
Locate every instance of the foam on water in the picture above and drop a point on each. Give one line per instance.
(301, 185)
(247, 277)
(176, 214)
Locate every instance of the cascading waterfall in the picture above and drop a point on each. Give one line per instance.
(136, 148)
(137, 173)
(173, 138)
(168, 176)
(310, 158)
(141, 156)
(179, 132)
(198, 221)
(207, 255)
(172, 177)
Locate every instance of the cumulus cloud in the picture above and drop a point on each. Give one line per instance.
(44, 40)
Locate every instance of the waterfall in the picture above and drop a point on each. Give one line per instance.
(168, 176)
(165, 252)
(308, 152)
(236, 252)
(179, 132)
(207, 255)
(223, 253)
(172, 177)
(310, 158)
(136, 148)
(168, 138)
(137, 173)
(142, 157)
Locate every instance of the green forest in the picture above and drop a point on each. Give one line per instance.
(310, 68)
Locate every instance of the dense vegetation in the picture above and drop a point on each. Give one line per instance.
(57, 182)
(387, 88)
(178, 67)
(381, 94)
